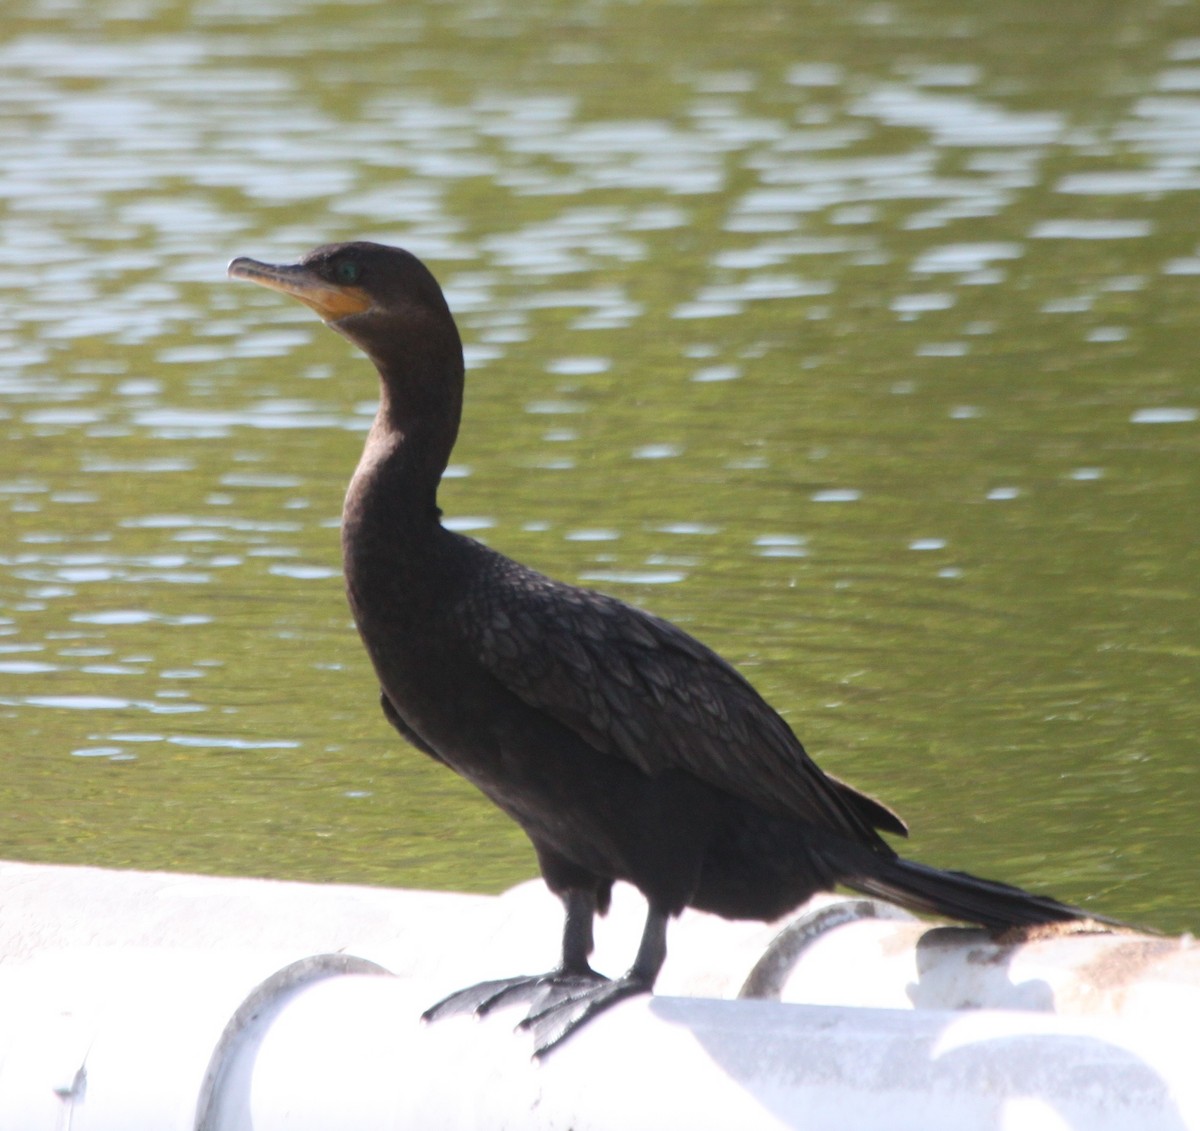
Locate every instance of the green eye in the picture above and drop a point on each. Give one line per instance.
(347, 272)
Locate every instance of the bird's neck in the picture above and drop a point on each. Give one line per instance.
(390, 526)
(391, 509)
(395, 485)
(420, 405)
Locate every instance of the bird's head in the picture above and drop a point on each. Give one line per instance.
(384, 299)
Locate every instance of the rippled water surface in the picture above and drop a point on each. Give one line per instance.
(858, 338)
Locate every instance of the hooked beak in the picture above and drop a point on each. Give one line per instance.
(329, 300)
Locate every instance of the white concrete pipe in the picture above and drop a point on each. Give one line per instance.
(140, 1002)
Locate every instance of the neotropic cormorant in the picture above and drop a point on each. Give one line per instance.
(624, 748)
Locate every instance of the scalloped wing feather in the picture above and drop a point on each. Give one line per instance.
(637, 687)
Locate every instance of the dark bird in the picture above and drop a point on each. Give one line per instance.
(623, 747)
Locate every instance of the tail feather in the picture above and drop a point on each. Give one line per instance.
(958, 895)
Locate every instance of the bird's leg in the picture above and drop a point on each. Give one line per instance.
(572, 975)
(562, 1011)
(578, 938)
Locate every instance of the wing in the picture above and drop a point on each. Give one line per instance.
(639, 688)
(406, 732)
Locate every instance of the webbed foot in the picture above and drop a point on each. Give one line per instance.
(542, 991)
(554, 1018)
(565, 999)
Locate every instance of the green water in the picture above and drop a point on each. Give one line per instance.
(857, 338)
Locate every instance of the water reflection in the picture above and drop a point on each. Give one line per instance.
(751, 317)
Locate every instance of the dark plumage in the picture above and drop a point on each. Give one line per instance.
(624, 748)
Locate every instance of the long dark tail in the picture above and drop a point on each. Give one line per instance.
(958, 895)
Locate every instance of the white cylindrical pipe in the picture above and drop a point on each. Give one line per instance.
(138, 1002)
(348, 1053)
(862, 952)
(97, 1039)
(834, 951)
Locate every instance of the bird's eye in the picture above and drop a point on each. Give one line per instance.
(347, 272)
